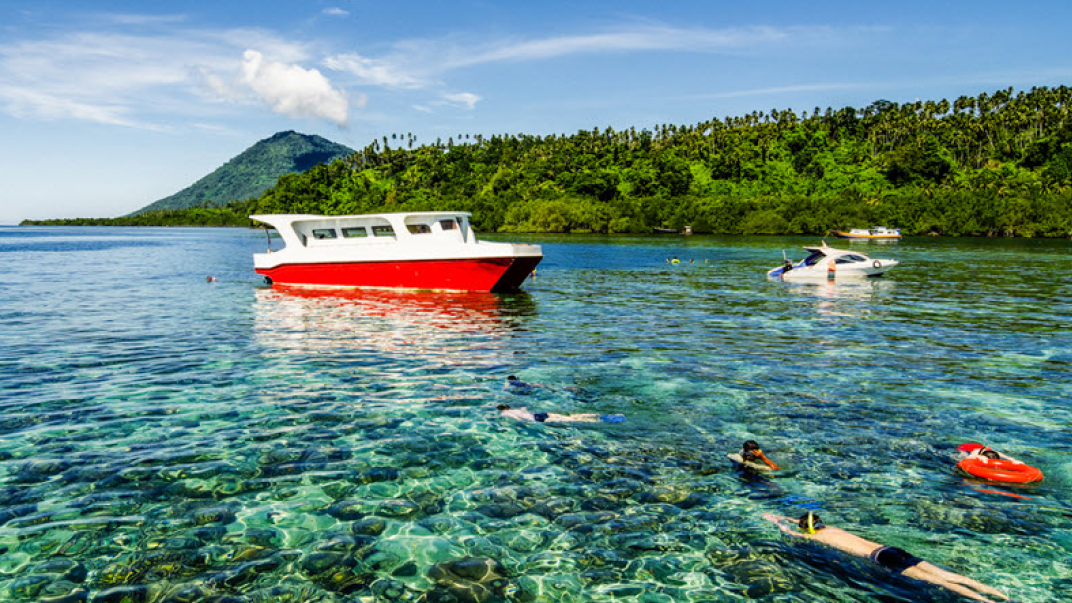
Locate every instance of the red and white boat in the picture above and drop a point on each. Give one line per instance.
(416, 250)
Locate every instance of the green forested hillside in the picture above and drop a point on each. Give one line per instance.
(997, 164)
(254, 170)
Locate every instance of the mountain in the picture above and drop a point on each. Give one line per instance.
(255, 170)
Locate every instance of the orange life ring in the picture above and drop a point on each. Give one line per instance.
(1001, 470)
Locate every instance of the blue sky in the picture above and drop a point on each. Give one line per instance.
(108, 106)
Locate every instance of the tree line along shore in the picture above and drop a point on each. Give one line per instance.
(998, 164)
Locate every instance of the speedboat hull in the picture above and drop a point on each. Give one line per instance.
(826, 263)
(812, 273)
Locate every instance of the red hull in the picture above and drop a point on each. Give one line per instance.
(473, 274)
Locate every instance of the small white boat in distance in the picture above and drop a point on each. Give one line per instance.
(415, 250)
(827, 263)
(873, 233)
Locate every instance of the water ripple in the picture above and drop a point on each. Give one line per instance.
(167, 439)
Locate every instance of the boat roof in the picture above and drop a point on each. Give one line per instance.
(282, 219)
(826, 250)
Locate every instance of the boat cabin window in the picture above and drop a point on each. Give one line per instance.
(383, 231)
(849, 258)
(323, 233)
(354, 232)
(813, 259)
(419, 228)
(448, 224)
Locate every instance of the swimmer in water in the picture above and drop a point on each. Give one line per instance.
(524, 414)
(517, 386)
(751, 456)
(896, 560)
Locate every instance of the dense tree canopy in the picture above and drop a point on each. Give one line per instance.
(994, 165)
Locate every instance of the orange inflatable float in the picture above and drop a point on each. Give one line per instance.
(995, 466)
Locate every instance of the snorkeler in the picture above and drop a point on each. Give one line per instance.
(517, 386)
(751, 456)
(524, 414)
(989, 464)
(894, 559)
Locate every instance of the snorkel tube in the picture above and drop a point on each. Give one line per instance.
(810, 523)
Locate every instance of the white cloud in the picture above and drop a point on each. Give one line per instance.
(336, 12)
(24, 103)
(465, 99)
(416, 64)
(146, 71)
(647, 38)
(140, 77)
(375, 72)
(292, 90)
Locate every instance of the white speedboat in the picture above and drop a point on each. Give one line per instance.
(825, 263)
(875, 233)
(416, 250)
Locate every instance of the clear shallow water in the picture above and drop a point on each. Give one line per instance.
(167, 439)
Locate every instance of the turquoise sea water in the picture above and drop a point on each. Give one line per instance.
(163, 438)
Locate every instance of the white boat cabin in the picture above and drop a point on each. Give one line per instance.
(309, 231)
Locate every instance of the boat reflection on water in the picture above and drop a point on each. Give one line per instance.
(853, 298)
(858, 289)
(378, 324)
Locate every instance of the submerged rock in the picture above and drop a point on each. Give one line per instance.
(369, 526)
(67, 569)
(27, 587)
(123, 594)
(347, 510)
(469, 580)
(72, 595)
(391, 590)
(219, 515)
(186, 593)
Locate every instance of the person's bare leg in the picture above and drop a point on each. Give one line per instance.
(928, 572)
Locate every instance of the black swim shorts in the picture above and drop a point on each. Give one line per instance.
(540, 417)
(893, 558)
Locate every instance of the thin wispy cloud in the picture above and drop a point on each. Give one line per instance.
(25, 103)
(145, 77)
(388, 73)
(467, 100)
(415, 64)
(645, 39)
(133, 19)
(785, 90)
(142, 71)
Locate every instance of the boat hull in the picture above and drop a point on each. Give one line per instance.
(467, 274)
(822, 274)
(845, 235)
(876, 234)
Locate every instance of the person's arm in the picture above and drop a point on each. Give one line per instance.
(785, 524)
(1006, 457)
(766, 460)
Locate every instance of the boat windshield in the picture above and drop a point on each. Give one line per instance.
(850, 258)
(814, 258)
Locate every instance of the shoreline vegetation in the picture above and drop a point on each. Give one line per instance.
(998, 164)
